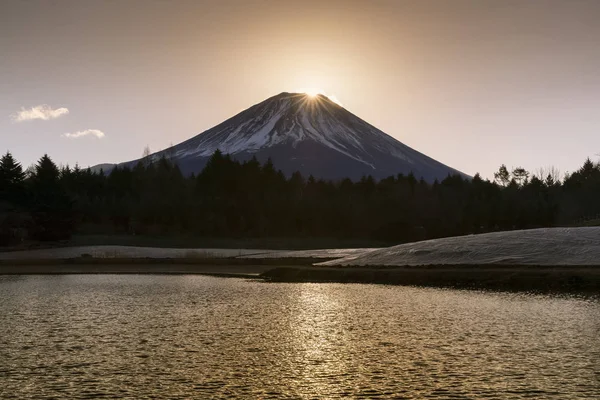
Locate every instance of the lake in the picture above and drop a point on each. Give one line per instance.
(137, 336)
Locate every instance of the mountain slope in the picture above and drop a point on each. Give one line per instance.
(312, 135)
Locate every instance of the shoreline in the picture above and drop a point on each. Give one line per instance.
(153, 261)
(515, 278)
(232, 270)
(520, 278)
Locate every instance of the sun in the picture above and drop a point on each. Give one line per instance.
(313, 92)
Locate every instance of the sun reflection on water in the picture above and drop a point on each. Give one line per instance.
(320, 337)
(199, 337)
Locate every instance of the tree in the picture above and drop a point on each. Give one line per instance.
(231, 199)
(520, 175)
(11, 172)
(46, 173)
(550, 175)
(13, 220)
(588, 169)
(146, 159)
(12, 179)
(51, 206)
(502, 177)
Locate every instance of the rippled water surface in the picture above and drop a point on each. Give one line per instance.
(79, 336)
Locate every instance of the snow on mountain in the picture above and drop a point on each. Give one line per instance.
(309, 134)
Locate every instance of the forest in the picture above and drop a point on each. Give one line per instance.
(229, 199)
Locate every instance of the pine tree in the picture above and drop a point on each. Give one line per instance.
(51, 205)
(587, 170)
(11, 172)
(46, 173)
(12, 180)
(13, 220)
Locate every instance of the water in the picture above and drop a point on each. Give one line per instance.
(79, 336)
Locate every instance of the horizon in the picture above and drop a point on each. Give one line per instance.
(509, 83)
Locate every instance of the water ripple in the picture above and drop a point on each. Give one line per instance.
(199, 337)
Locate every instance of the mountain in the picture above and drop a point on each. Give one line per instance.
(309, 134)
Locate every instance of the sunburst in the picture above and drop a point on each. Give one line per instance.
(313, 92)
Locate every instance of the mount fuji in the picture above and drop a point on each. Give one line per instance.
(310, 134)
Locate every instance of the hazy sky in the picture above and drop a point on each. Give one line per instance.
(472, 84)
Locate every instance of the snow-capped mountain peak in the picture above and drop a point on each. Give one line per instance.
(311, 134)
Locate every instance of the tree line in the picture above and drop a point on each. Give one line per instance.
(231, 199)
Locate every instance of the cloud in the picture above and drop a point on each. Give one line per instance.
(43, 112)
(88, 132)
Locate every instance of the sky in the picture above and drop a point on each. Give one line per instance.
(473, 84)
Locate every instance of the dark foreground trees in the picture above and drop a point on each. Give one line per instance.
(229, 199)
